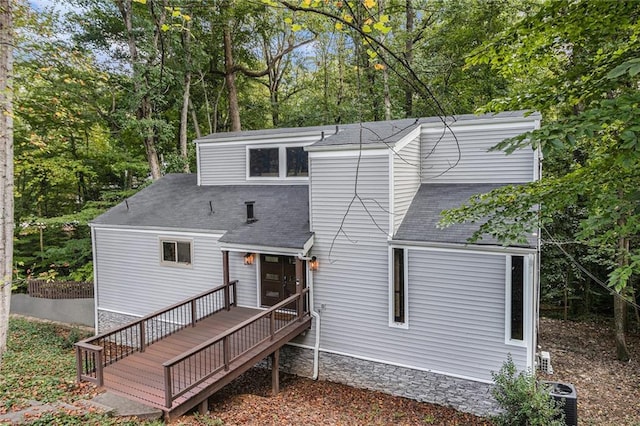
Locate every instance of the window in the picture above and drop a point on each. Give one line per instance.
(264, 162)
(277, 162)
(517, 298)
(176, 252)
(297, 162)
(398, 290)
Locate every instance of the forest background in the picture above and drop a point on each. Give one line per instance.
(109, 93)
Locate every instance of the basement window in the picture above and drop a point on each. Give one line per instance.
(175, 252)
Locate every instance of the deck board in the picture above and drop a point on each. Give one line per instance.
(141, 375)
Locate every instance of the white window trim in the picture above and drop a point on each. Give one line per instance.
(526, 297)
(175, 264)
(282, 163)
(392, 323)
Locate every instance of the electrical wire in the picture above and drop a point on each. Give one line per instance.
(587, 272)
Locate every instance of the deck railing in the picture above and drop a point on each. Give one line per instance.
(189, 369)
(95, 353)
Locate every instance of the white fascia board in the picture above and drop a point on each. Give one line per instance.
(481, 124)
(410, 137)
(158, 230)
(344, 151)
(455, 247)
(537, 157)
(198, 167)
(252, 248)
(248, 248)
(292, 138)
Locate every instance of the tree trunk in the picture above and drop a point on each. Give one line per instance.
(230, 80)
(387, 94)
(408, 55)
(619, 303)
(144, 109)
(184, 115)
(6, 169)
(194, 119)
(619, 315)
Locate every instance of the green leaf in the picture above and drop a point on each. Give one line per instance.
(634, 69)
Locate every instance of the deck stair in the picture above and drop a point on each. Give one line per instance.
(176, 358)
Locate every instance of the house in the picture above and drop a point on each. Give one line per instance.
(398, 304)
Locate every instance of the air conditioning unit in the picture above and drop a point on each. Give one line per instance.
(565, 392)
(543, 362)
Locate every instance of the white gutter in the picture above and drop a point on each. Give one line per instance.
(316, 316)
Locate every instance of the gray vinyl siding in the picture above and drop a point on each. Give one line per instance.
(457, 313)
(131, 279)
(246, 275)
(476, 164)
(351, 282)
(406, 179)
(222, 165)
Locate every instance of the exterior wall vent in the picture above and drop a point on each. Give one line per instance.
(250, 211)
(543, 361)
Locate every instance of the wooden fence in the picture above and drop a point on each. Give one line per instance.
(60, 289)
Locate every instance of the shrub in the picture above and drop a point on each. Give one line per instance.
(523, 401)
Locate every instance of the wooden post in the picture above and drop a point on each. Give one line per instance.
(226, 352)
(194, 313)
(99, 368)
(143, 337)
(275, 372)
(225, 277)
(299, 278)
(272, 324)
(79, 369)
(204, 407)
(168, 397)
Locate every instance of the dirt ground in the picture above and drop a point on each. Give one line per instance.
(248, 401)
(584, 354)
(581, 353)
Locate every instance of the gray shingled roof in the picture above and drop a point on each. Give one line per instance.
(420, 222)
(373, 133)
(376, 132)
(177, 202)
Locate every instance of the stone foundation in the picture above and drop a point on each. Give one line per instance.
(110, 320)
(463, 395)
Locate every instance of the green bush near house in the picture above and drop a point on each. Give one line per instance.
(523, 401)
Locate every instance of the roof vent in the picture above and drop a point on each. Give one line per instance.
(250, 211)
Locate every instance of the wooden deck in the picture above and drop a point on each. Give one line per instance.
(177, 370)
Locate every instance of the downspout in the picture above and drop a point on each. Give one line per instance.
(316, 317)
(94, 250)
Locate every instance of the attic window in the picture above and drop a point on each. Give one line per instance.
(175, 252)
(277, 162)
(297, 162)
(264, 162)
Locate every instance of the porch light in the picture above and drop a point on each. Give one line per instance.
(313, 264)
(248, 259)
